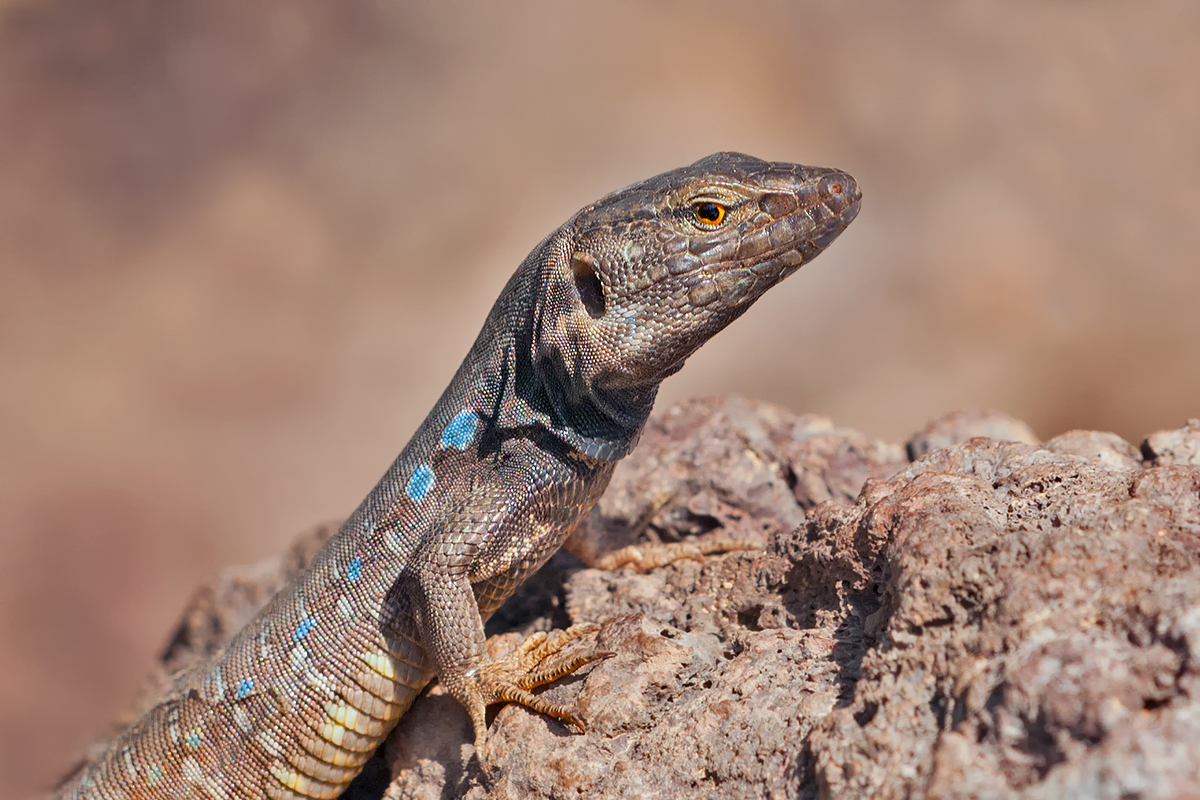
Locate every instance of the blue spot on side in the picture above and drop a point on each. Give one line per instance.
(461, 431)
(420, 483)
(193, 738)
(306, 625)
(244, 688)
(354, 571)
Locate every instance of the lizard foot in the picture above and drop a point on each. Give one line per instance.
(650, 555)
(537, 661)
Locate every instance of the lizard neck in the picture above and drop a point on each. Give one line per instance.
(524, 388)
(600, 424)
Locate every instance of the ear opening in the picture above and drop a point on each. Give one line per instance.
(587, 283)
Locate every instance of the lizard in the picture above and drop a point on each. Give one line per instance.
(554, 391)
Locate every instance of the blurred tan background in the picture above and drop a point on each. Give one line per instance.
(244, 245)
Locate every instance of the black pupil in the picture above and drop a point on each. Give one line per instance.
(709, 212)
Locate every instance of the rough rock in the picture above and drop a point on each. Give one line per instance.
(999, 618)
(1174, 447)
(960, 426)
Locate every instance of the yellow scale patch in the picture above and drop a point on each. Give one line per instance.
(349, 733)
(322, 770)
(386, 690)
(352, 719)
(381, 663)
(385, 665)
(367, 703)
(347, 739)
(331, 753)
(302, 784)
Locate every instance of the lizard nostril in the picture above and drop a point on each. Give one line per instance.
(587, 283)
(839, 190)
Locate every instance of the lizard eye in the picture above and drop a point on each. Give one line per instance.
(587, 283)
(708, 213)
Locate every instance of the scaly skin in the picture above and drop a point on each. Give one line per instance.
(521, 444)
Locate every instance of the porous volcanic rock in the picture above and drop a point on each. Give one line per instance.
(999, 618)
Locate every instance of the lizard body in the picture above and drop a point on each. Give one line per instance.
(520, 446)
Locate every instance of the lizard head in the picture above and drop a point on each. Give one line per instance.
(639, 280)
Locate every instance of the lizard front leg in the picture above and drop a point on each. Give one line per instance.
(606, 549)
(451, 627)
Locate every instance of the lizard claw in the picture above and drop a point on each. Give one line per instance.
(537, 661)
(651, 555)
